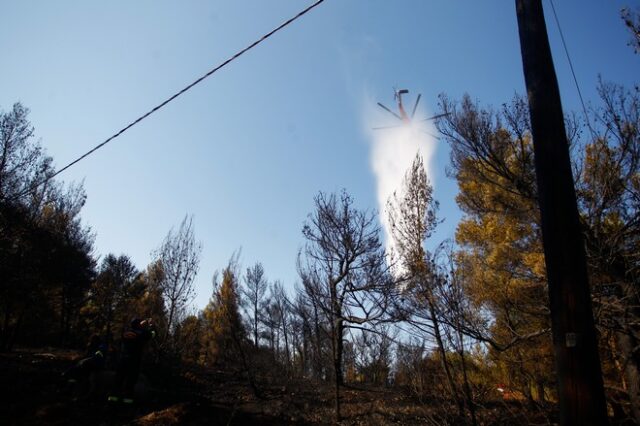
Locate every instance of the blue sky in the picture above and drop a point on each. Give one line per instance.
(247, 150)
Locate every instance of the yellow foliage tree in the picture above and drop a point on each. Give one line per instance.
(501, 261)
(224, 332)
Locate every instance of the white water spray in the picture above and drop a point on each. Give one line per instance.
(392, 153)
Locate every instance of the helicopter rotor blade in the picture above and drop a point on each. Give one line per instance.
(389, 111)
(385, 127)
(436, 116)
(415, 107)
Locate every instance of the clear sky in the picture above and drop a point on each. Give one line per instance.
(247, 150)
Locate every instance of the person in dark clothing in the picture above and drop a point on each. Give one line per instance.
(94, 343)
(94, 360)
(134, 339)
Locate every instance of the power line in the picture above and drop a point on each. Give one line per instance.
(575, 80)
(159, 106)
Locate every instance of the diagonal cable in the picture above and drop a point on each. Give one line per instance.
(573, 73)
(159, 106)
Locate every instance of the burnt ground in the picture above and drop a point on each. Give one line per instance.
(33, 392)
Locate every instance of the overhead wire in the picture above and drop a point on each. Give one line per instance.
(171, 98)
(573, 73)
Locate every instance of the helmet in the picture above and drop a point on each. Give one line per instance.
(135, 323)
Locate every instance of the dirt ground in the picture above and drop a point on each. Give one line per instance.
(33, 391)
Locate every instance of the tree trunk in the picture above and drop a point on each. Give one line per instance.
(627, 343)
(467, 389)
(306, 335)
(286, 342)
(255, 325)
(317, 364)
(170, 320)
(443, 358)
(247, 367)
(336, 344)
(337, 363)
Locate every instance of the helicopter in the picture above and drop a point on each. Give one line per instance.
(402, 113)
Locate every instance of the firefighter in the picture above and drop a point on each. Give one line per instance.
(94, 360)
(134, 339)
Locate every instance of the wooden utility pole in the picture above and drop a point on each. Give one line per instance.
(577, 362)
